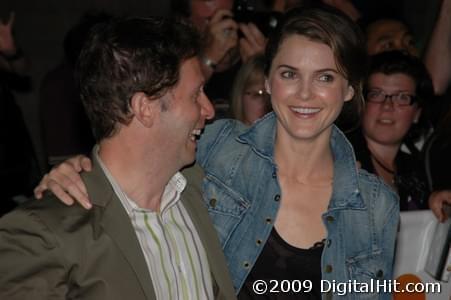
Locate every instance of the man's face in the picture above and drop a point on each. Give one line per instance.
(187, 108)
(203, 10)
(386, 35)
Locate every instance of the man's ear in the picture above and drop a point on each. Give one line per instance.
(144, 108)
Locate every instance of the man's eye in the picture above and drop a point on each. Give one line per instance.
(197, 95)
(388, 45)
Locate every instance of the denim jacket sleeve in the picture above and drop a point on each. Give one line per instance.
(387, 207)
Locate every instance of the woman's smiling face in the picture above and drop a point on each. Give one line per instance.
(307, 90)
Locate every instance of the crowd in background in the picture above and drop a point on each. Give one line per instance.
(400, 134)
(321, 129)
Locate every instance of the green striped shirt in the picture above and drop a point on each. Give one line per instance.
(174, 253)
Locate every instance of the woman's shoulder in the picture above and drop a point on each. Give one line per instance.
(223, 128)
(377, 195)
(218, 138)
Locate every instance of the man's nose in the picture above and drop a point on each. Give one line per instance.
(207, 109)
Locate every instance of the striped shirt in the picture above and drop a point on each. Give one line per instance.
(174, 253)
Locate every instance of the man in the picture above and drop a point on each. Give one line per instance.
(389, 34)
(148, 235)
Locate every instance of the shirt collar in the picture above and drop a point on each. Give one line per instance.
(170, 197)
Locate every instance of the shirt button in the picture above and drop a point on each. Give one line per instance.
(330, 219)
(277, 198)
(328, 269)
(213, 202)
(246, 265)
(259, 242)
(268, 220)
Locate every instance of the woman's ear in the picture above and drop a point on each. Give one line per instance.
(267, 87)
(350, 93)
(417, 116)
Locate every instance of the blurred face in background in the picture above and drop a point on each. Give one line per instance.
(256, 101)
(203, 10)
(386, 35)
(388, 123)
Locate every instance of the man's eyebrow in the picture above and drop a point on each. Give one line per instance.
(384, 38)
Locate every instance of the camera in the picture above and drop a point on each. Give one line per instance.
(246, 11)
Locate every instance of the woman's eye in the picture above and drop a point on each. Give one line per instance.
(288, 74)
(326, 78)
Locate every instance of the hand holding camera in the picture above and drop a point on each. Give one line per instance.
(221, 36)
(252, 42)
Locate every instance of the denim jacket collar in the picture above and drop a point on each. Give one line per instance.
(261, 137)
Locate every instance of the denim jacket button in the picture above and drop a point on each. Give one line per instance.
(329, 241)
(268, 220)
(213, 202)
(259, 242)
(246, 265)
(330, 219)
(328, 269)
(277, 198)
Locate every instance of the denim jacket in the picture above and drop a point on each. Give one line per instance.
(242, 193)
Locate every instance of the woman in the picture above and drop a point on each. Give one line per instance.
(286, 195)
(249, 99)
(396, 88)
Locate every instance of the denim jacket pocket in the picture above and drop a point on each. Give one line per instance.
(367, 271)
(225, 206)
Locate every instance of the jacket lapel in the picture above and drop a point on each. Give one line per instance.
(111, 217)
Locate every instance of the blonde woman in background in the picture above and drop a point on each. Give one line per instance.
(249, 99)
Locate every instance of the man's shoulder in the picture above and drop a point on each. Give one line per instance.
(48, 212)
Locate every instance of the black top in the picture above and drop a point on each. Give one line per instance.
(438, 160)
(410, 177)
(282, 261)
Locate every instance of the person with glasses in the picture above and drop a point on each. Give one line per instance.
(396, 88)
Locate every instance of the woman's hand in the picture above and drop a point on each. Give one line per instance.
(65, 182)
(437, 202)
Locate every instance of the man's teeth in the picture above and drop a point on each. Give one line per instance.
(306, 110)
(195, 134)
(386, 121)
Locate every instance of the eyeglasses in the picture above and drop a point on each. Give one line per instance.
(400, 99)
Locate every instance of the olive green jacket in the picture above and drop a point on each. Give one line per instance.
(51, 251)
